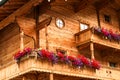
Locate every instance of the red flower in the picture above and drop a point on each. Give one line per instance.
(43, 52)
(60, 55)
(71, 58)
(95, 64)
(84, 60)
(27, 50)
(105, 31)
(20, 54)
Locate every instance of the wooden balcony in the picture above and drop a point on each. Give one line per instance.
(108, 72)
(88, 35)
(32, 64)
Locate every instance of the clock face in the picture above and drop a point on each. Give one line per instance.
(3, 2)
(59, 23)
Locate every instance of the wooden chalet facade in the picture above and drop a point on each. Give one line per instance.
(60, 40)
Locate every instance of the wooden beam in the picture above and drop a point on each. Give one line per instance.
(98, 17)
(46, 35)
(118, 14)
(68, 1)
(37, 12)
(2, 10)
(44, 23)
(7, 7)
(101, 4)
(16, 3)
(28, 25)
(80, 5)
(21, 11)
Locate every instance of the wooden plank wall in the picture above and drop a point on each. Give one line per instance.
(56, 38)
(114, 24)
(10, 44)
(64, 38)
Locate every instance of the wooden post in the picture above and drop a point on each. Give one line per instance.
(21, 41)
(51, 76)
(98, 17)
(46, 34)
(118, 14)
(92, 50)
(24, 78)
(37, 24)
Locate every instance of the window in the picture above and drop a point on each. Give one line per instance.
(59, 23)
(3, 2)
(61, 51)
(83, 26)
(112, 64)
(107, 18)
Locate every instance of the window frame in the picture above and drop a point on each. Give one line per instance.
(60, 27)
(110, 19)
(83, 24)
(112, 63)
(3, 2)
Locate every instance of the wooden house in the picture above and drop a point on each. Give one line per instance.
(59, 39)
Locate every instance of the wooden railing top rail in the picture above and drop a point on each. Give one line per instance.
(111, 68)
(38, 63)
(77, 34)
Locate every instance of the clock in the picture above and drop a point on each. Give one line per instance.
(3, 2)
(60, 23)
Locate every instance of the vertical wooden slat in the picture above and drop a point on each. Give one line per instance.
(118, 14)
(98, 17)
(51, 76)
(24, 78)
(21, 40)
(92, 50)
(46, 34)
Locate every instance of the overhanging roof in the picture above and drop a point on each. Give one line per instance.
(14, 8)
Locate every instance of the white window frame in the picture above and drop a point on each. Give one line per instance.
(83, 26)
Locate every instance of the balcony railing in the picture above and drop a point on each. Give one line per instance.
(90, 35)
(33, 64)
(108, 72)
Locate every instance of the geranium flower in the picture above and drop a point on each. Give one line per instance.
(105, 32)
(20, 54)
(27, 50)
(17, 55)
(78, 63)
(54, 58)
(85, 60)
(43, 52)
(113, 35)
(95, 64)
(60, 56)
(71, 58)
(67, 61)
(39, 53)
